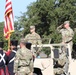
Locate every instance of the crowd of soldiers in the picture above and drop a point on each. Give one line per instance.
(20, 61)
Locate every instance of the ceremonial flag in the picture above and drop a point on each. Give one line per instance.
(9, 20)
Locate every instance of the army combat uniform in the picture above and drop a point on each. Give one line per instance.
(34, 39)
(23, 64)
(67, 35)
(63, 61)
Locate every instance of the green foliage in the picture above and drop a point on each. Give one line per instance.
(47, 51)
(2, 36)
(1, 31)
(46, 15)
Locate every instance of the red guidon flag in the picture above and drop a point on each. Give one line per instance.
(9, 22)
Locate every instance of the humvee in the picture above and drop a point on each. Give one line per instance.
(43, 64)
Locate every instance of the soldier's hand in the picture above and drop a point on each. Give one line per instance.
(61, 26)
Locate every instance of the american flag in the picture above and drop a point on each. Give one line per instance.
(9, 20)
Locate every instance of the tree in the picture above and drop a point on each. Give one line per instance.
(1, 31)
(17, 34)
(2, 35)
(46, 15)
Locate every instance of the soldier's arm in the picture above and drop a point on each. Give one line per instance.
(71, 33)
(39, 39)
(31, 63)
(26, 37)
(31, 66)
(16, 62)
(59, 29)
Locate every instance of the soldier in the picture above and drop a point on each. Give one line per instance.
(33, 38)
(62, 62)
(23, 64)
(11, 56)
(3, 59)
(67, 33)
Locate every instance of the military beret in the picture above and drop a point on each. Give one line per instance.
(32, 27)
(66, 22)
(23, 40)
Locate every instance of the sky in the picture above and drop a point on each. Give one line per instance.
(18, 7)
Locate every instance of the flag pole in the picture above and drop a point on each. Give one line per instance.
(9, 21)
(9, 42)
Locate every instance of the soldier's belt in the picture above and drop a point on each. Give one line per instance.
(68, 41)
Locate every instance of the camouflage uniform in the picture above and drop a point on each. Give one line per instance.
(35, 39)
(67, 35)
(23, 64)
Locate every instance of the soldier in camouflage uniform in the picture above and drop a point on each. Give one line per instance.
(67, 33)
(63, 61)
(23, 64)
(33, 38)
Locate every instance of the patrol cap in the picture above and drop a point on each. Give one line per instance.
(22, 40)
(1, 44)
(66, 22)
(27, 44)
(31, 27)
(14, 42)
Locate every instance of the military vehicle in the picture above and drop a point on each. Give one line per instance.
(44, 65)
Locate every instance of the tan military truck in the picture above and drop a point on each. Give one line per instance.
(44, 65)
